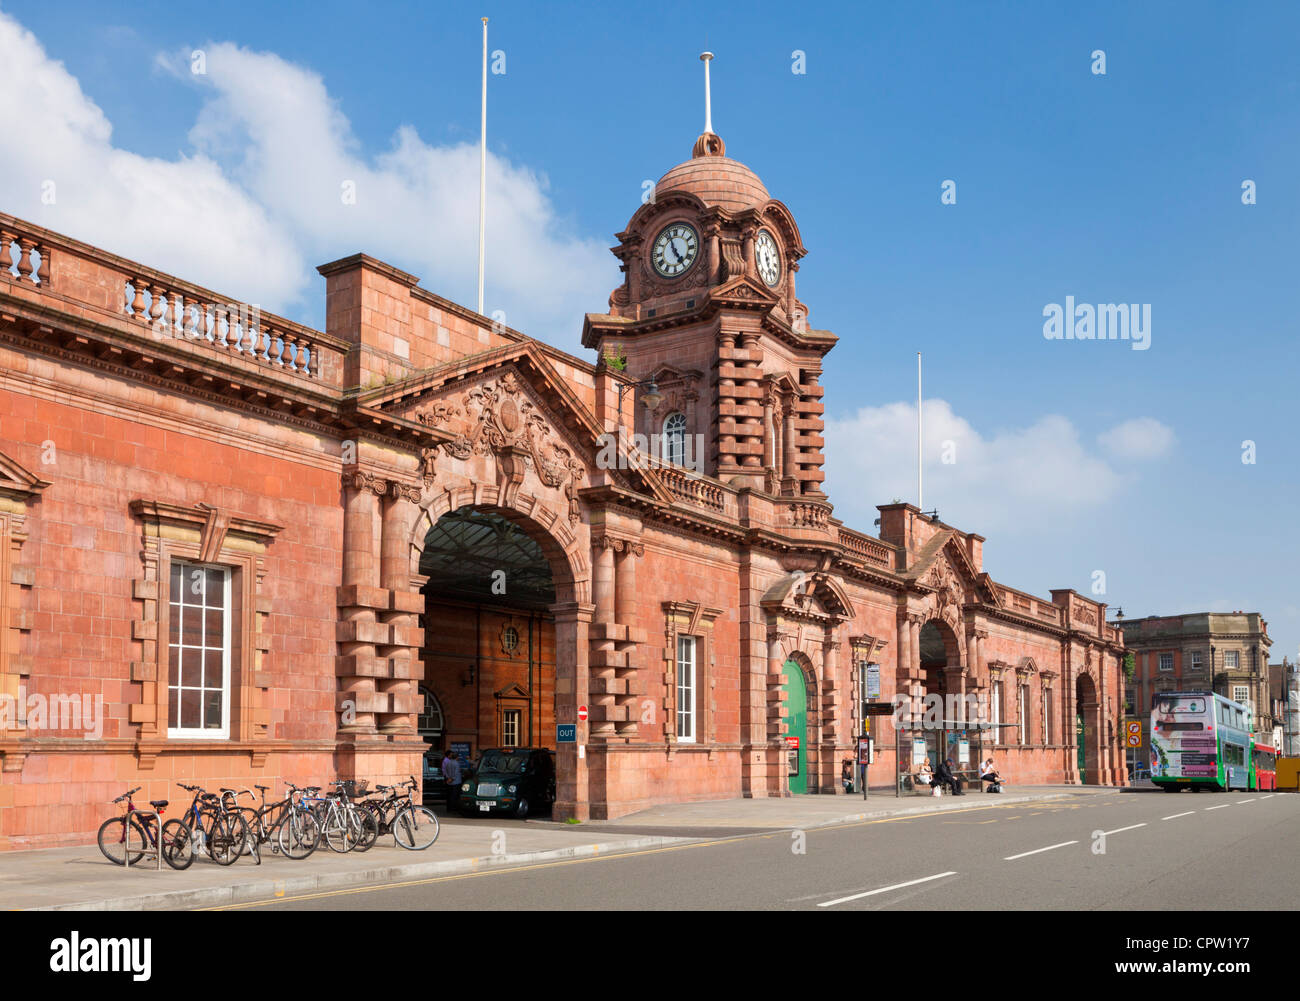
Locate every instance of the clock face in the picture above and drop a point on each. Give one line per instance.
(675, 249)
(766, 257)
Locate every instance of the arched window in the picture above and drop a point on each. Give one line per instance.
(674, 444)
(429, 723)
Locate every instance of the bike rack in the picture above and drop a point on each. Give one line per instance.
(148, 816)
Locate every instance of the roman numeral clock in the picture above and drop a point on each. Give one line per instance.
(675, 249)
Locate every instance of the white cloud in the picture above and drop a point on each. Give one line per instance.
(257, 201)
(1020, 478)
(1139, 438)
(181, 216)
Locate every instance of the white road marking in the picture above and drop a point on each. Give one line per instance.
(1012, 858)
(884, 889)
(1269, 796)
(1121, 830)
(1177, 815)
(1221, 807)
(1251, 800)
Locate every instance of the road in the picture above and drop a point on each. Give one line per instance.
(1111, 851)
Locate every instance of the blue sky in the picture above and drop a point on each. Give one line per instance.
(1123, 187)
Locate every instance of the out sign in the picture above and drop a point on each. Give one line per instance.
(582, 714)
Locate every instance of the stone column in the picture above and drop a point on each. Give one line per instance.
(625, 596)
(403, 669)
(602, 582)
(572, 620)
(778, 779)
(769, 433)
(903, 658)
(789, 467)
(359, 630)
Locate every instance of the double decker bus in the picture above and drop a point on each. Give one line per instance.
(1263, 767)
(1201, 740)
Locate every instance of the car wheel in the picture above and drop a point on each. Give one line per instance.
(521, 808)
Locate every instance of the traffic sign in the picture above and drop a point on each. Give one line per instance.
(1133, 732)
(582, 712)
(566, 733)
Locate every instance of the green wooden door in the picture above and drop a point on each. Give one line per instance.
(797, 704)
(1079, 735)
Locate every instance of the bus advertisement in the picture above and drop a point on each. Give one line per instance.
(1199, 740)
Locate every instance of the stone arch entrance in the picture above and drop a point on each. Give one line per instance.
(940, 658)
(509, 585)
(1087, 732)
(948, 730)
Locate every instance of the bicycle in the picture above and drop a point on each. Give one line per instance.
(295, 830)
(345, 825)
(219, 835)
(248, 845)
(124, 840)
(413, 827)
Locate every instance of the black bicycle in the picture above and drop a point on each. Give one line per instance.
(125, 839)
(219, 834)
(413, 827)
(289, 830)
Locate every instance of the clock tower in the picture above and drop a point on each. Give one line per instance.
(707, 311)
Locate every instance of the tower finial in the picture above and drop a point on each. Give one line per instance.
(705, 57)
(709, 143)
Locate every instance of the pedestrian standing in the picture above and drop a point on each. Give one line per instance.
(451, 778)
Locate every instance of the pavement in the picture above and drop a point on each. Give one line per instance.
(80, 878)
(1086, 850)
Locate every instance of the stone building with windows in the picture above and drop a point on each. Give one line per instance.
(263, 552)
(1225, 652)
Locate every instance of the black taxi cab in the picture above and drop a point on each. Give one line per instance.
(513, 780)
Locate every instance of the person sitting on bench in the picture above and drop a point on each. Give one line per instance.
(990, 774)
(944, 777)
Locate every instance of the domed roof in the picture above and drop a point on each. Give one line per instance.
(715, 178)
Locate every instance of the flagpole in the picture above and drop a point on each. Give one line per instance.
(482, 173)
(920, 493)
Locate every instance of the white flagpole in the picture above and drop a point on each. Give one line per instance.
(920, 493)
(708, 99)
(482, 173)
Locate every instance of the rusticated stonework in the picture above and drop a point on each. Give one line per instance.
(360, 487)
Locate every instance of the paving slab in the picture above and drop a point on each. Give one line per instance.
(80, 878)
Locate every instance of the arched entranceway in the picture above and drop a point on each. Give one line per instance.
(493, 584)
(795, 686)
(948, 728)
(1087, 730)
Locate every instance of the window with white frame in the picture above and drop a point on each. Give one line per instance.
(198, 651)
(674, 440)
(1230, 660)
(1166, 662)
(510, 723)
(1047, 716)
(1024, 714)
(686, 688)
(1196, 660)
(995, 710)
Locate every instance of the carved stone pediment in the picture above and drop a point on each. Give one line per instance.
(499, 417)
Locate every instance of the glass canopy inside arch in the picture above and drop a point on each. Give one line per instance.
(481, 556)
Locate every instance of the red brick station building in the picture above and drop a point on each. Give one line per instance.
(271, 553)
